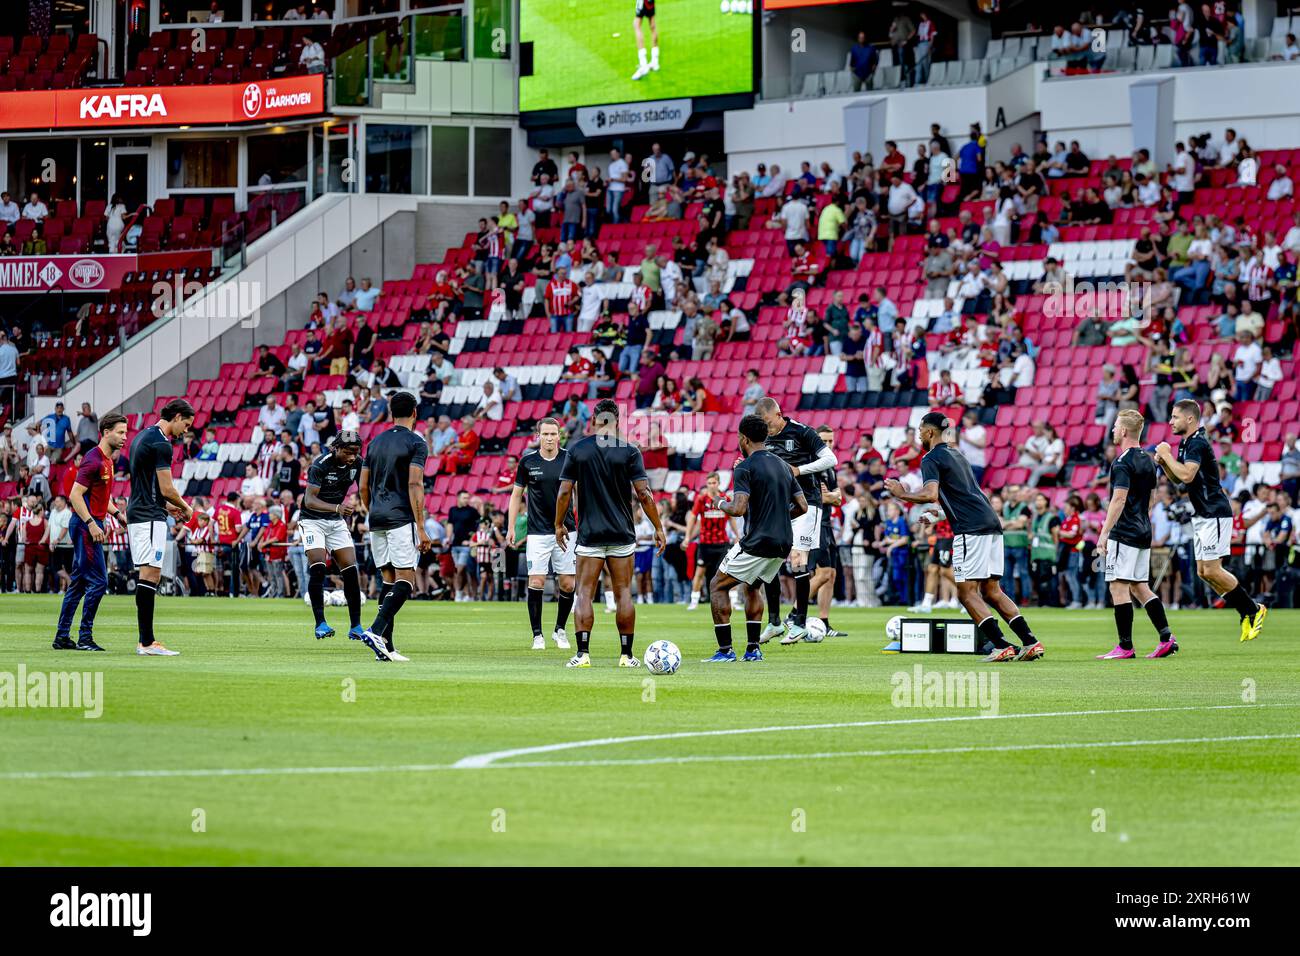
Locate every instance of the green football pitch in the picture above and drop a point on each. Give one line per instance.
(261, 745)
(585, 54)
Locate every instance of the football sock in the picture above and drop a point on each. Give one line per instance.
(1020, 627)
(826, 623)
(144, 598)
(609, 600)
(772, 589)
(640, 57)
(1155, 609)
(1240, 601)
(625, 644)
(1124, 624)
(352, 589)
(398, 592)
(384, 588)
(316, 591)
(584, 641)
(535, 610)
(928, 601)
(992, 633)
(654, 55)
(723, 633)
(565, 601)
(802, 581)
(695, 599)
(752, 631)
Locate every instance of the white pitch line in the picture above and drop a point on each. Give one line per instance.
(484, 760)
(914, 752)
(636, 761)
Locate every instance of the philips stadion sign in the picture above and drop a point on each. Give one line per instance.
(627, 118)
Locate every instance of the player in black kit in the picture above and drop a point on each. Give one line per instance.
(1125, 540)
(538, 478)
(607, 471)
(323, 522)
(1198, 469)
(767, 495)
(392, 496)
(152, 491)
(799, 447)
(826, 559)
(977, 554)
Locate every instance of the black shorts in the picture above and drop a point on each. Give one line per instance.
(61, 560)
(941, 553)
(645, 9)
(709, 556)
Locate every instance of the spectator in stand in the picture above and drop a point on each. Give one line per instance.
(793, 219)
(542, 201)
(753, 392)
(366, 296)
(271, 418)
(490, 405)
(9, 211)
(55, 428)
(1246, 362)
(312, 58)
(1281, 187)
(461, 455)
(87, 429)
(35, 209)
(1043, 453)
(559, 299)
(862, 61)
(945, 391)
(651, 370)
(348, 297)
(667, 398)
(830, 226)
(901, 33)
(620, 177)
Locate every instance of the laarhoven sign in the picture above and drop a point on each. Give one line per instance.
(69, 273)
(261, 100)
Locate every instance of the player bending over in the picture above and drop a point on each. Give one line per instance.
(799, 447)
(1198, 469)
(538, 477)
(645, 10)
(607, 471)
(323, 521)
(92, 503)
(1125, 540)
(766, 494)
(392, 496)
(977, 554)
(152, 491)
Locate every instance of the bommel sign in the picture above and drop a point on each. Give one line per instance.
(265, 100)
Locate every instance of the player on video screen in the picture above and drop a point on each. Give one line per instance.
(645, 10)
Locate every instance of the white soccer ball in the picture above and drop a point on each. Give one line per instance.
(816, 631)
(363, 599)
(337, 599)
(894, 629)
(663, 657)
(306, 598)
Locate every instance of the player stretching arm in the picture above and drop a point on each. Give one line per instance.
(1196, 467)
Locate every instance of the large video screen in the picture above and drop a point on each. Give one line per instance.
(587, 52)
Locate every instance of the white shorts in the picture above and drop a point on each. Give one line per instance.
(544, 554)
(148, 543)
(605, 550)
(748, 567)
(329, 534)
(976, 557)
(395, 546)
(1124, 562)
(1211, 538)
(807, 528)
